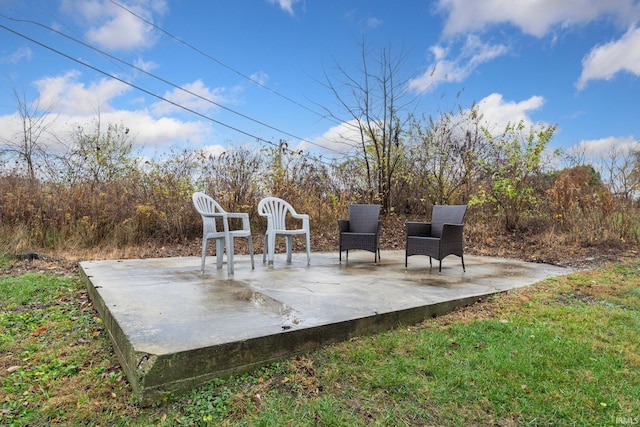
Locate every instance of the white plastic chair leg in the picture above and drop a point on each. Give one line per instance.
(204, 254)
(272, 248)
(251, 252)
(266, 248)
(219, 253)
(289, 247)
(230, 257)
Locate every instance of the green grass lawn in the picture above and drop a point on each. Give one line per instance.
(564, 352)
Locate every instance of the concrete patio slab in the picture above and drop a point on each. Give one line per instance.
(174, 328)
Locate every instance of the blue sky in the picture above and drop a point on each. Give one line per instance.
(258, 67)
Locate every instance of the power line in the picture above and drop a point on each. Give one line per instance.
(251, 79)
(168, 82)
(228, 67)
(44, 7)
(148, 92)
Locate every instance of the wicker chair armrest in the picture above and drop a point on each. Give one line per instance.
(343, 225)
(422, 229)
(452, 231)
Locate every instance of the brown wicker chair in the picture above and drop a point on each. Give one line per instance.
(361, 230)
(438, 238)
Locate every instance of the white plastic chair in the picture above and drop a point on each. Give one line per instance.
(209, 209)
(276, 211)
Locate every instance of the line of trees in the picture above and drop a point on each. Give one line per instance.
(103, 194)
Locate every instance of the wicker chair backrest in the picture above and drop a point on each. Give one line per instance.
(364, 218)
(446, 214)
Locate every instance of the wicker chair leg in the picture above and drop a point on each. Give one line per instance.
(462, 259)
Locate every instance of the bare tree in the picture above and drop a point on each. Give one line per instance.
(635, 173)
(29, 144)
(619, 169)
(574, 156)
(373, 101)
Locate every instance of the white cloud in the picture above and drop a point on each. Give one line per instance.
(147, 66)
(147, 131)
(213, 150)
(72, 103)
(195, 96)
(605, 147)
(112, 27)
(372, 22)
(342, 138)
(605, 61)
(535, 17)
(471, 55)
(20, 54)
(65, 94)
(260, 77)
(164, 132)
(497, 112)
(12, 131)
(286, 5)
(121, 32)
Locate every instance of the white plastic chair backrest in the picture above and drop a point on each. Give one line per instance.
(277, 209)
(206, 205)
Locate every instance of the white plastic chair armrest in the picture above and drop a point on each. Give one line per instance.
(305, 220)
(215, 215)
(243, 215)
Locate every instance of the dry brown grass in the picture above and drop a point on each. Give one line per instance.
(151, 215)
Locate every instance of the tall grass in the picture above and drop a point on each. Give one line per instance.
(152, 203)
